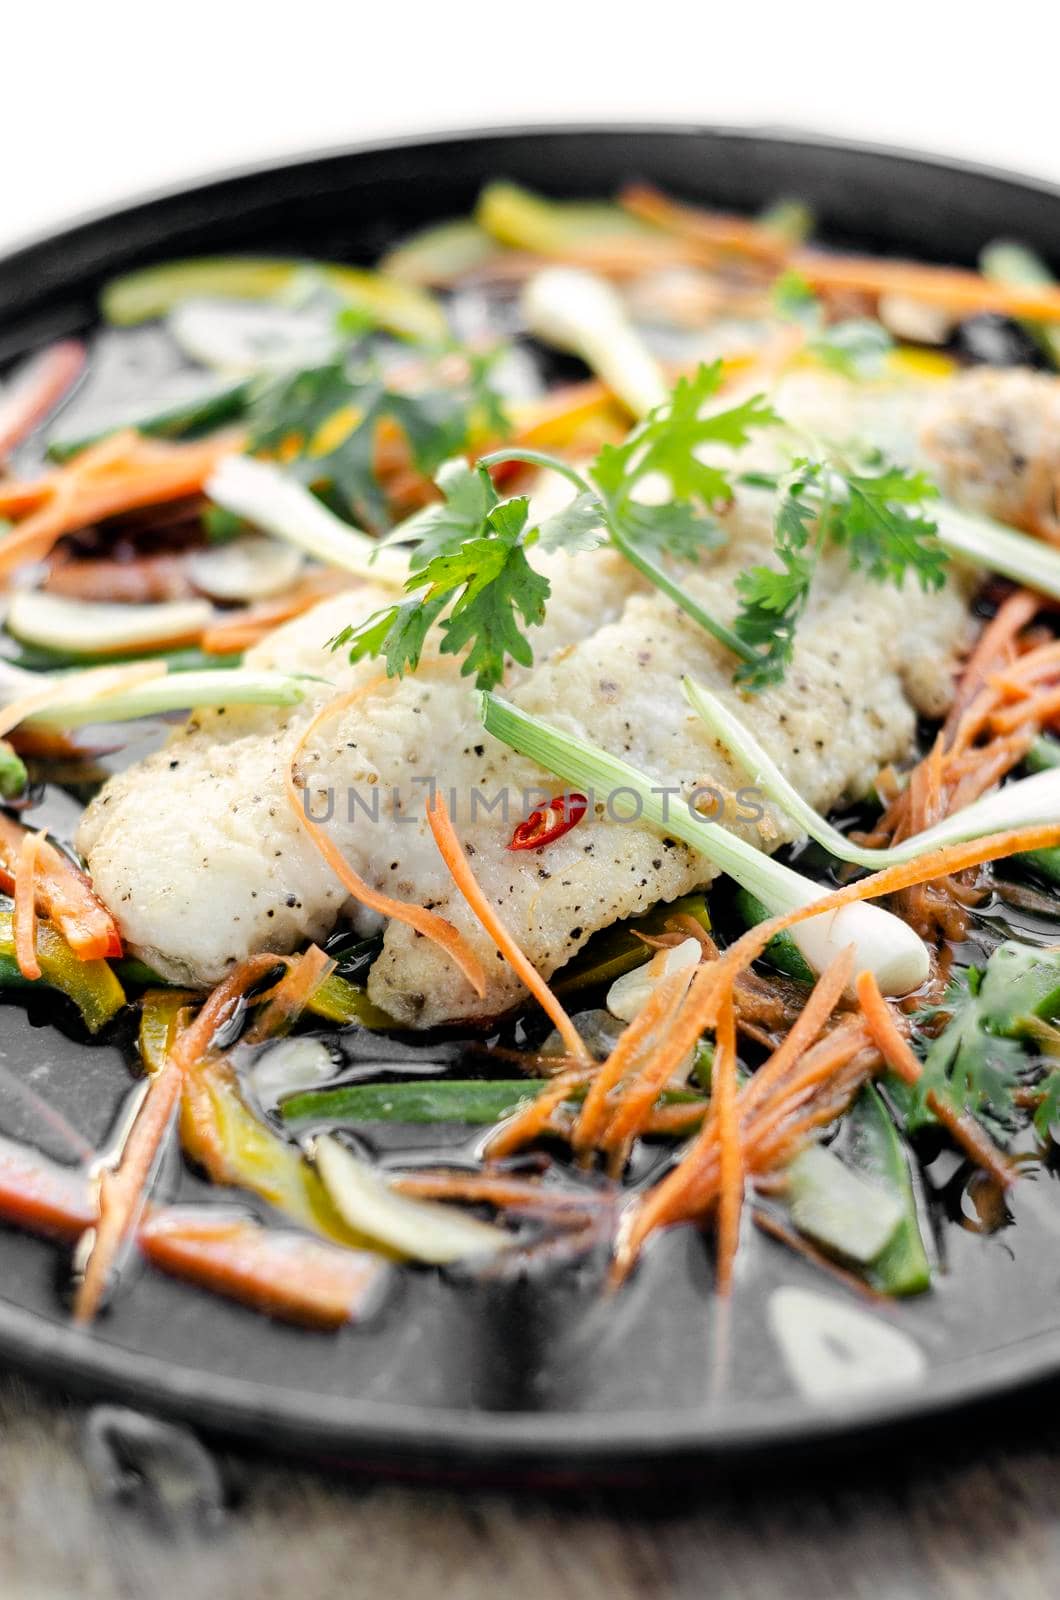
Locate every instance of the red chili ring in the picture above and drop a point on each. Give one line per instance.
(563, 812)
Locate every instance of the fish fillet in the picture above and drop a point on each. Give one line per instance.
(197, 852)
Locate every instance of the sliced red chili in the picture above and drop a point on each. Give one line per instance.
(563, 812)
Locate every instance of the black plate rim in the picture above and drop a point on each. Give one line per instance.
(736, 133)
(345, 1427)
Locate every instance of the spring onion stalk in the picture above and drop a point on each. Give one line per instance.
(177, 691)
(276, 503)
(13, 774)
(992, 545)
(425, 1230)
(579, 312)
(884, 943)
(1018, 805)
(1043, 754)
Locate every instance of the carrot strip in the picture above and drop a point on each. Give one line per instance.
(283, 1274)
(121, 1192)
(37, 389)
(592, 1122)
(717, 231)
(425, 922)
(62, 893)
(292, 994)
(451, 852)
(899, 1056)
(826, 995)
(244, 628)
(730, 1198)
(498, 1189)
(949, 287)
(700, 1010)
(114, 477)
(534, 1119)
(1039, 708)
(25, 918)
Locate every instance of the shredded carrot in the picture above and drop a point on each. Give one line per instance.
(26, 906)
(62, 893)
(451, 852)
(718, 232)
(122, 1191)
(499, 1189)
(899, 1056)
(536, 1116)
(1038, 709)
(593, 1121)
(292, 994)
(826, 995)
(121, 474)
(433, 927)
(723, 1096)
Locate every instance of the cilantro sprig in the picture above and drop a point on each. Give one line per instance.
(876, 513)
(469, 576)
(330, 416)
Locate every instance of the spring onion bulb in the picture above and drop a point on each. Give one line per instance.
(1018, 805)
(425, 1230)
(273, 501)
(884, 943)
(576, 311)
(175, 691)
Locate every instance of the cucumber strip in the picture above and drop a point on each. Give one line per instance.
(781, 952)
(840, 1208)
(875, 1148)
(215, 403)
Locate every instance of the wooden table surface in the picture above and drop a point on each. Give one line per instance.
(977, 1519)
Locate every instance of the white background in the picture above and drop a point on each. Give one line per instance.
(108, 98)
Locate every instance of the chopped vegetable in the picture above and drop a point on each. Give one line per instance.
(479, 1102)
(200, 409)
(90, 984)
(88, 629)
(1004, 261)
(581, 313)
(839, 1208)
(245, 569)
(155, 291)
(435, 256)
(175, 691)
(25, 912)
(423, 1229)
(36, 389)
(616, 950)
(63, 894)
(871, 1144)
(272, 500)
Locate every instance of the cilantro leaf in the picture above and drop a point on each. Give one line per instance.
(855, 346)
(470, 576)
(883, 537)
(580, 525)
(330, 416)
(772, 601)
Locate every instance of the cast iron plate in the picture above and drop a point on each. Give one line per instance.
(456, 1377)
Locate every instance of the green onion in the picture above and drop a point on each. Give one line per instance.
(992, 545)
(1043, 754)
(1018, 805)
(478, 1102)
(884, 943)
(615, 951)
(13, 774)
(275, 502)
(87, 628)
(178, 691)
(781, 951)
(577, 311)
